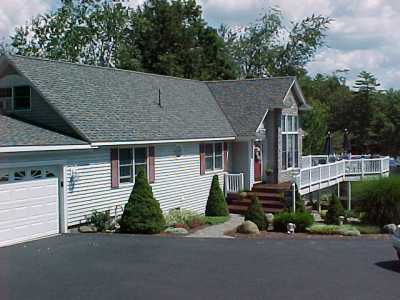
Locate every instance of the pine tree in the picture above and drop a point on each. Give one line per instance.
(216, 204)
(142, 213)
(335, 210)
(255, 214)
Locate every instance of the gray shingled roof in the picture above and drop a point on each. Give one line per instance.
(245, 102)
(15, 133)
(111, 105)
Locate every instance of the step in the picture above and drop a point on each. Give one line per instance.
(239, 209)
(260, 195)
(264, 203)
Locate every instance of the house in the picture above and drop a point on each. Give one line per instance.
(72, 138)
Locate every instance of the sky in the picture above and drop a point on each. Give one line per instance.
(363, 36)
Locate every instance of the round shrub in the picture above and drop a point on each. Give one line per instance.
(335, 210)
(216, 204)
(301, 219)
(142, 213)
(255, 213)
(379, 200)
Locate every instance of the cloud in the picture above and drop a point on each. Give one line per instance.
(13, 13)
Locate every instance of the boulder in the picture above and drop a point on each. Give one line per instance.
(248, 227)
(390, 228)
(177, 231)
(87, 229)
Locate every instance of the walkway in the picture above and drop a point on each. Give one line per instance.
(217, 231)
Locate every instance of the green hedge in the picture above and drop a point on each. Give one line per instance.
(379, 200)
(301, 219)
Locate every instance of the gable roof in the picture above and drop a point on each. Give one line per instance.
(245, 102)
(15, 133)
(111, 105)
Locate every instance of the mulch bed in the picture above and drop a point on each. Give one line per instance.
(304, 236)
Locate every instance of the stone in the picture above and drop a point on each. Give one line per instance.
(177, 231)
(88, 229)
(390, 228)
(248, 227)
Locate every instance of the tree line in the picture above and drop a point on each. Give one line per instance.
(171, 37)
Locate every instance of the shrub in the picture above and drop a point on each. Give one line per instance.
(379, 200)
(216, 204)
(179, 216)
(216, 220)
(255, 214)
(102, 220)
(142, 213)
(301, 219)
(346, 230)
(335, 210)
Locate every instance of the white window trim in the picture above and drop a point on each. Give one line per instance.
(13, 99)
(133, 165)
(214, 170)
(289, 133)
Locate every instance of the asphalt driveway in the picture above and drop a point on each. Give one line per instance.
(135, 267)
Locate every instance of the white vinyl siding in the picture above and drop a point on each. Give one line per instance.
(178, 180)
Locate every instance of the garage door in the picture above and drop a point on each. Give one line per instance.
(28, 205)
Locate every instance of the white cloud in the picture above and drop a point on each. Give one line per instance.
(17, 12)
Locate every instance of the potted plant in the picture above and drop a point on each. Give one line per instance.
(269, 172)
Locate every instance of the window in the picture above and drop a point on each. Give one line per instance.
(140, 160)
(213, 156)
(5, 92)
(4, 176)
(22, 98)
(130, 162)
(36, 174)
(19, 175)
(125, 166)
(290, 142)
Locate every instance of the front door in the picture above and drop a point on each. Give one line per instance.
(257, 162)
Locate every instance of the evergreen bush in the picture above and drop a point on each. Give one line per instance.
(335, 210)
(301, 219)
(216, 204)
(256, 214)
(142, 213)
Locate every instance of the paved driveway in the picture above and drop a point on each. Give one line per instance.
(134, 267)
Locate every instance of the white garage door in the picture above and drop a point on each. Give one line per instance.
(28, 205)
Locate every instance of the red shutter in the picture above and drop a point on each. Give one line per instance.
(152, 171)
(226, 157)
(202, 160)
(114, 168)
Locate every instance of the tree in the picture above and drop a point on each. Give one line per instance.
(255, 214)
(142, 213)
(216, 204)
(87, 31)
(268, 48)
(335, 210)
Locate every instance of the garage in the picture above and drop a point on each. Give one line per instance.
(29, 204)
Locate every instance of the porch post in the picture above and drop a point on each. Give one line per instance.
(349, 195)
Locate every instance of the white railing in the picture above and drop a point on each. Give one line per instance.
(313, 160)
(234, 183)
(337, 171)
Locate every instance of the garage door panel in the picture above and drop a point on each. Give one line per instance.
(28, 210)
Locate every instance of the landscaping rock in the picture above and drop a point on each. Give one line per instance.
(270, 221)
(177, 231)
(390, 228)
(248, 227)
(88, 229)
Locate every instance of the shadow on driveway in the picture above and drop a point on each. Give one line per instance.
(391, 265)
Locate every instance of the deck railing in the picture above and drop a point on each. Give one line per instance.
(234, 183)
(339, 170)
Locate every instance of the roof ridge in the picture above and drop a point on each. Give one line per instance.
(250, 79)
(101, 67)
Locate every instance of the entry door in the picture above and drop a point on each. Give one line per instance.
(257, 162)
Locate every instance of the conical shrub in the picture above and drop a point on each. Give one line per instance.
(216, 204)
(335, 210)
(255, 214)
(142, 213)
